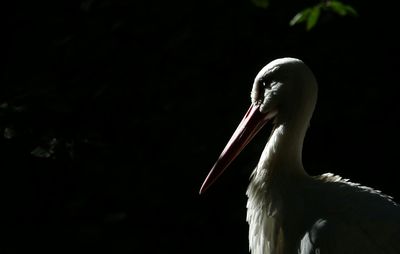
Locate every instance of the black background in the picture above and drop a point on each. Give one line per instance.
(141, 97)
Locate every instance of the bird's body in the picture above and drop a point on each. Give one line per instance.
(288, 211)
(323, 214)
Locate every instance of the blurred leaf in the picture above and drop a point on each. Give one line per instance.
(309, 15)
(4, 105)
(9, 133)
(41, 152)
(261, 3)
(313, 17)
(300, 17)
(86, 5)
(341, 9)
(351, 10)
(47, 151)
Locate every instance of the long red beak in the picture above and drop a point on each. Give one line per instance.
(251, 123)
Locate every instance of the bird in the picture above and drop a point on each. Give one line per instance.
(288, 210)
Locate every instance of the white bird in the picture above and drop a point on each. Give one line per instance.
(289, 211)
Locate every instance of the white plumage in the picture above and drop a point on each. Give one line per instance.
(288, 211)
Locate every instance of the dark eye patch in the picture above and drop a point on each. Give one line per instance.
(266, 82)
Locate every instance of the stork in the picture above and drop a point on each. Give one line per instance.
(289, 211)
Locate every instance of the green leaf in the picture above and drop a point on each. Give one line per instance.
(341, 9)
(351, 10)
(300, 17)
(261, 3)
(313, 17)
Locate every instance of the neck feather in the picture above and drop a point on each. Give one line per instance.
(280, 166)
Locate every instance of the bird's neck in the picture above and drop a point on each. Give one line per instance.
(273, 182)
(281, 164)
(282, 156)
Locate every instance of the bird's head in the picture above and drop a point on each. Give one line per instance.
(286, 90)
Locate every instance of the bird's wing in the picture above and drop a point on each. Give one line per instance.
(357, 220)
(333, 237)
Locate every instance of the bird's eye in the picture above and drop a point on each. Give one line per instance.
(266, 83)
